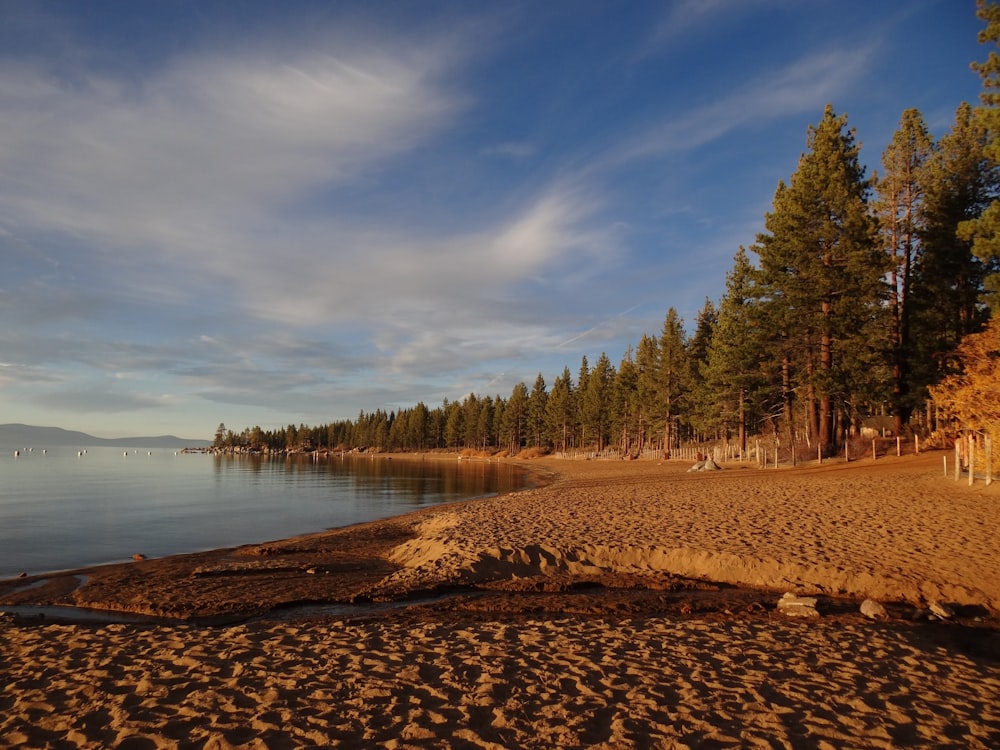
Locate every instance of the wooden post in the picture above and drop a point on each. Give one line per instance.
(899, 447)
(847, 451)
(874, 454)
(945, 465)
(819, 453)
(972, 458)
(989, 460)
(958, 458)
(916, 444)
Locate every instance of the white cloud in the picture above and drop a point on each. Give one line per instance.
(178, 159)
(200, 166)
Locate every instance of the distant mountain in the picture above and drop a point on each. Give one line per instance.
(27, 436)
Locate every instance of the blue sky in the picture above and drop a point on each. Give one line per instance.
(272, 213)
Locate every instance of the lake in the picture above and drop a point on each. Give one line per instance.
(67, 508)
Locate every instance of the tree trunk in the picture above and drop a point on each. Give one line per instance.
(743, 422)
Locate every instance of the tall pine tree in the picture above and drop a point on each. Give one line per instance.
(731, 372)
(672, 377)
(948, 278)
(984, 230)
(900, 212)
(821, 270)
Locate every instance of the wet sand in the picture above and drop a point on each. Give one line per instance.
(625, 604)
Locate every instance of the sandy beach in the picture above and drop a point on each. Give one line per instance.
(622, 604)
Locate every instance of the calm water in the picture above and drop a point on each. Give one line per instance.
(60, 510)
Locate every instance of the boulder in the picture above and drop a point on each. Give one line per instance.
(873, 610)
(941, 610)
(798, 606)
(706, 465)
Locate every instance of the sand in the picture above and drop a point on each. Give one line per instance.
(596, 611)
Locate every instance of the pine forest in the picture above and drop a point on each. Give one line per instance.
(865, 301)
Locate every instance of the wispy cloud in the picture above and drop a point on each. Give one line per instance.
(685, 19)
(511, 150)
(804, 85)
(208, 144)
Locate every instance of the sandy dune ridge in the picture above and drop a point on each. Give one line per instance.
(542, 675)
(892, 530)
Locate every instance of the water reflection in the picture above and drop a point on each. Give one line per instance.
(64, 511)
(407, 481)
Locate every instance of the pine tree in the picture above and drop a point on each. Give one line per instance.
(701, 401)
(559, 411)
(220, 436)
(472, 437)
(732, 369)
(581, 390)
(499, 410)
(900, 212)
(948, 278)
(672, 377)
(821, 269)
(484, 423)
(515, 419)
(454, 427)
(624, 408)
(596, 401)
(536, 411)
(984, 230)
(416, 431)
(647, 365)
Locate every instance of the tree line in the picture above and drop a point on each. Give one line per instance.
(851, 303)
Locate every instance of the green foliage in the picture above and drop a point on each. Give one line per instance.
(948, 278)
(821, 270)
(731, 372)
(899, 209)
(983, 229)
(559, 412)
(673, 375)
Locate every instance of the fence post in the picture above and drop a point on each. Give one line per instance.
(989, 460)
(899, 447)
(874, 453)
(972, 458)
(958, 458)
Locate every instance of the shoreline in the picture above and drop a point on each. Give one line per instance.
(117, 544)
(615, 527)
(591, 612)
